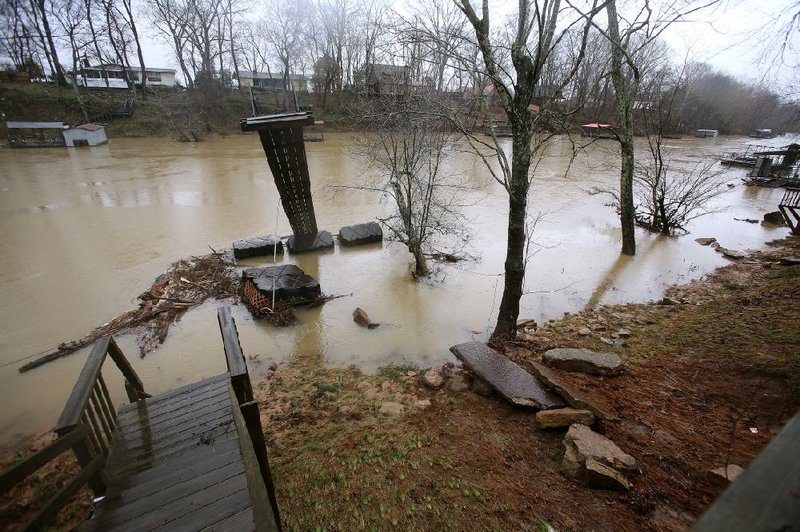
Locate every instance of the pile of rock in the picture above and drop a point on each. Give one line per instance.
(594, 458)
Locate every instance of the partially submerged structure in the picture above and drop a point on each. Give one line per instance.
(85, 135)
(706, 133)
(777, 167)
(282, 139)
(53, 134)
(36, 134)
(762, 134)
(599, 131)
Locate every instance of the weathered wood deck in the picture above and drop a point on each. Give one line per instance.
(188, 459)
(176, 462)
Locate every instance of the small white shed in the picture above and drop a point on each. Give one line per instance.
(85, 135)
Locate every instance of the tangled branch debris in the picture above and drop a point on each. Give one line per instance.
(187, 282)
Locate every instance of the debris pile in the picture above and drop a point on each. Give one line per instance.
(187, 282)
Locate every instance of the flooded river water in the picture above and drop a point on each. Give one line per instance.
(84, 231)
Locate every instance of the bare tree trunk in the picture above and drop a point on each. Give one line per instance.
(143, 70)
(624, 95)
(58, 69)
(507, 315)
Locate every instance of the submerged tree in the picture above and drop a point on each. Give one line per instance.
(407, 146)
(516, 68)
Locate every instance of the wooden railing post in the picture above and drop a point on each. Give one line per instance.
(252, 420)
(86, 457)
(237, 367)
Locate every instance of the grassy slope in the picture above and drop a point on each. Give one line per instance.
(47, 102)
(699, 376)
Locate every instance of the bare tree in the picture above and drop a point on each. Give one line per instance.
(516, 78)
(407, 144)
(628, 34)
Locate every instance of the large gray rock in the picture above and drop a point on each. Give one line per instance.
(583, 361)
(361, 317)
(353, 235)
(789, 261)
(508, 378)
(581, 444)
(257, 246)
(576, 398)
(563, 417)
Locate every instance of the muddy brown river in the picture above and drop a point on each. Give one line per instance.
(84, 231)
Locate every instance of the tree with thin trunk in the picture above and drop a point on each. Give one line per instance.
(132, 25)
(535, 36)
(642, 27)
(406, 144)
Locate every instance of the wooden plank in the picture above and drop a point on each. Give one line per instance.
(208, 514)
(766, 494)
(281, 120)
(136, 464)
(71, 415)
(116, 512)
(175, 472)
(179, 416)
(212, 422)
(240, 521)
(213, 500)
(230, 341)
(165, 408)
(189, 388)
(510, 380)
(259, 480)
(51, 509)
(22, 470)
(237, 367)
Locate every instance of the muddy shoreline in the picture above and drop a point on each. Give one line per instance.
(363, 450)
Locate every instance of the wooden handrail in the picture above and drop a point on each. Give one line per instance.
(234, 357)
(30, 465)
(248, 421)
(14, 476)
(75, 408)
(76, 404)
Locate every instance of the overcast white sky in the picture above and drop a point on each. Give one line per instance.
(732, 37)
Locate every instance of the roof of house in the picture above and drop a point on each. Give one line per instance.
(135, 68)
(35, 125)
(89, 127)
(268, 75)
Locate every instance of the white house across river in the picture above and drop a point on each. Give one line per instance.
(116, 76)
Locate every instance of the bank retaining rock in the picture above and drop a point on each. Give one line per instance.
(583, 361)
(563, 417)
(584, 449)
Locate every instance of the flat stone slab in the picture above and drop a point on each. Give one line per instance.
(575, 397)
(506, 377)
(258, 246)
(291, 284)
(301, 244)
(583, 361)
(355, 235)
